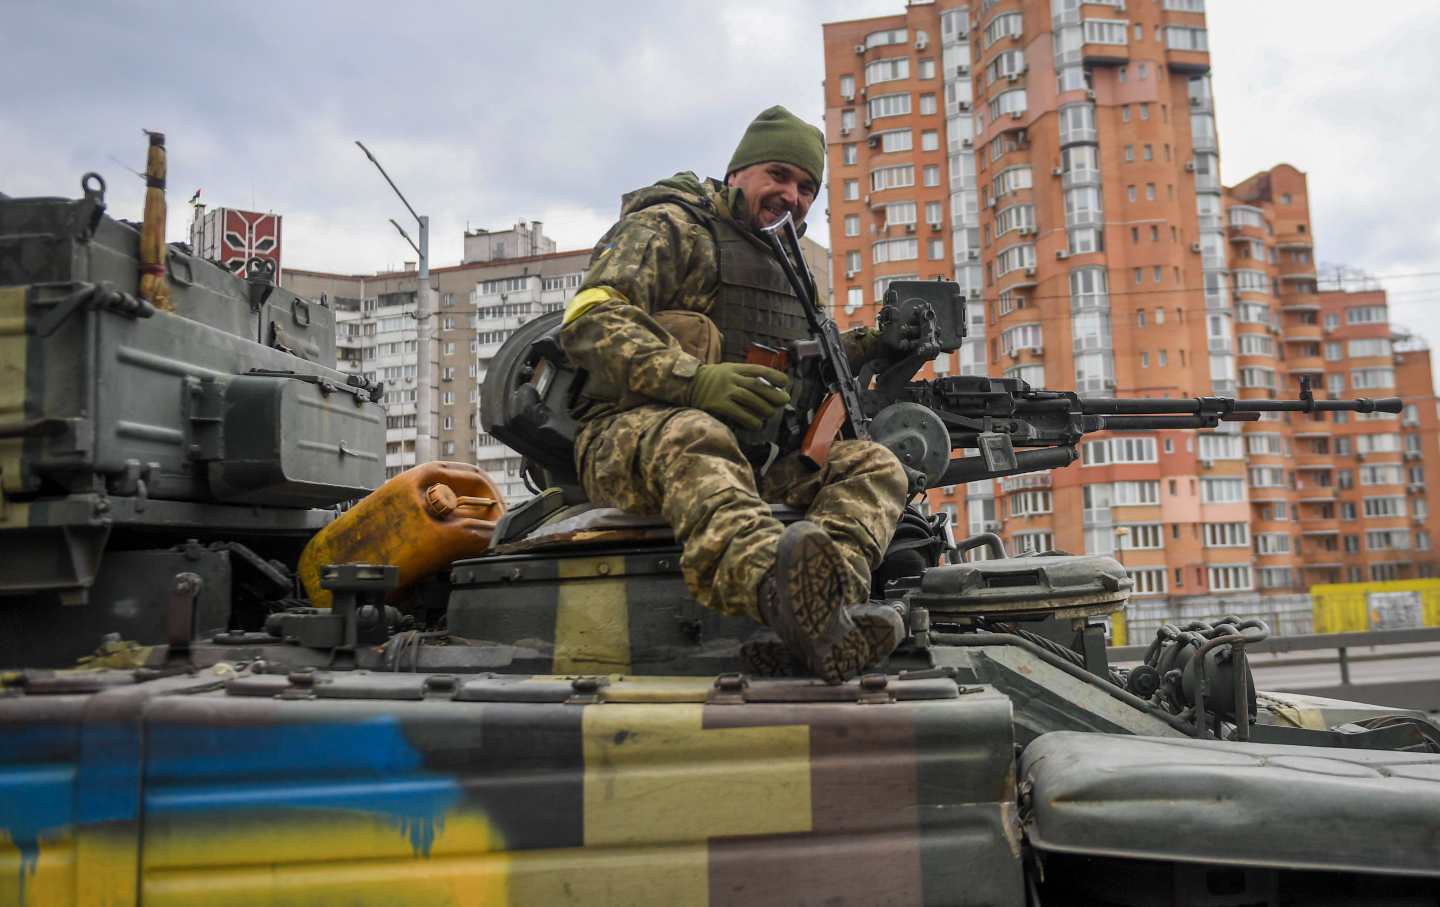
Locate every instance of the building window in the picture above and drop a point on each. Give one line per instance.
(1029, 503)
(847, 121)
(1364, 378)
(892, 177)
(1033, 541)
(847, 87)
(852, 262)
(927, 69)
(1141, 537)
(927, 104)
(932, 174)
(1119, 450)
(1370, 314)
(1106, 31)
(1021, 337)
(852, 190)
(1231, 578)
(890, 105)
(854, 298)
(888, 70)
(930, 140)
(1227, 535)
(1222, 491)
(1180, 38)
(895, 140)
(852, 225)
(936, 249)
(848, 153)
(1148, 580)
(895, 250)
(1003, 26)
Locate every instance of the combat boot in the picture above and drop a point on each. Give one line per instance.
(803, 600)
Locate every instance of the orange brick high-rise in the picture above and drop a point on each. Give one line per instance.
(1061, 162)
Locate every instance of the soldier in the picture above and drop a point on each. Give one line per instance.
(677, 291)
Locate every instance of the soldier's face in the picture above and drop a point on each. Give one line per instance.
(772, 188)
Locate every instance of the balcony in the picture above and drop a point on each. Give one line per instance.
(1072, 178)
(1105, 54)
(1306, 365)
(1316, 494)
(1302, 333)
(1188, 61)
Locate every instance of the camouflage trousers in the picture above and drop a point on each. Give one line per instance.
(684, 465)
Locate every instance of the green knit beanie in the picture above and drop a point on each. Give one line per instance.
(779, 135)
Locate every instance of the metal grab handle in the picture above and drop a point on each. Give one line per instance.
(981, 540)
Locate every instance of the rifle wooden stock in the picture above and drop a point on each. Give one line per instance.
(829, 419)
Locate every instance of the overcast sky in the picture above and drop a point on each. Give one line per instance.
(485, 113)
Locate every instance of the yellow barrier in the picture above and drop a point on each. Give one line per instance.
(1347, 607)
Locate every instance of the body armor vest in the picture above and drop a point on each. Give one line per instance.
(754, 302)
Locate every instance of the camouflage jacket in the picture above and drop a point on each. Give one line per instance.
(656, 258)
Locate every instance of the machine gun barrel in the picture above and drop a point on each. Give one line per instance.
(1225, 405)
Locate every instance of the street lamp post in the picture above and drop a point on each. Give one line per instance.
(423, 312)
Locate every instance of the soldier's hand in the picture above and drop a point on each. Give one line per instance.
(740, 393)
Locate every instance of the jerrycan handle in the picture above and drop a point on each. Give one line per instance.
(442, 501)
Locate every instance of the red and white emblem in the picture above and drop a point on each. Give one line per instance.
(247, 235)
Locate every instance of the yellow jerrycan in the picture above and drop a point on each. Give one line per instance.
(420, 521)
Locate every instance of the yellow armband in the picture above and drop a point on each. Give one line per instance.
(585, 300)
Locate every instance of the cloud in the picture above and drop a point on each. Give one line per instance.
(489, 113)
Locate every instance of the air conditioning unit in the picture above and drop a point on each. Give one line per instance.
(1195, 247)
(1013, 77)
(1189, 166)
(935, 225)
(967, 143)
(865, 200)
(1416, 489)
(845, 130)
(909, 228)
(1013, 353)
(1207, 464)
(864, 91)
(860, 49)
(1195, 102)
(867, 122)
(973, 255)
(874, 141)
(1089, 94)
(1030, 272)
(1412, 454)
(1108, 384)
(1057, 171)
(1016, 114)
(921, 43)
(850, 275)
(1061, 254)
(848, 97)
(962, 70)
(962, 106)
(991, 203)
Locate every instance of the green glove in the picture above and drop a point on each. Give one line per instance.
(742, 394)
